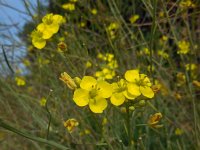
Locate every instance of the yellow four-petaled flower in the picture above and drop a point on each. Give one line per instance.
(93, 93)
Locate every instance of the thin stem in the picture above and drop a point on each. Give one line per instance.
(28, 136)
(152, 40)
(128, 124)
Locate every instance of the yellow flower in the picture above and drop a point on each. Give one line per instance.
(105, 74)
(50, 25)
(69, 6)
(134, 18)
(120, 93)
(100, 56)
(186, 4)
(37, 39)
(138, 84)
(113, 26)
(88, 64)
(70, 124)
(94, 11)
(154, 120)
(181, 78)
(93, 93)
(43, 101)
(20, 81)
(191, 67)
(163, 54)
(109, 57)
(68, 81)
(113, 64)
(178, 131)
(184, 47)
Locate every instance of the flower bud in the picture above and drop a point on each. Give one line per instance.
(68, 80)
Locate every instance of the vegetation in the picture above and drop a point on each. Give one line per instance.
(104, 75)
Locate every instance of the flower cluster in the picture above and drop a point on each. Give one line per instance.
(92, 92)
(184, 4)
(70, 124)
(184, 47)
(70, 6)
(20, 81)
(108, 68)
(112, 29)
(45, 30)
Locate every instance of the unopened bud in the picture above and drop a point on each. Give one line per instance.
(142, 103)
(68, 80)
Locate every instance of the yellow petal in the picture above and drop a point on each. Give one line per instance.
(104, 89)
(88, 83)
(41, 27)
(132, 75)
(117, 99)
(47, 34)
(98, 104)
(54, 27)
(115, 86)
(145, 79)
(58, 19)
(128, 95)
(39, 43)
(133, 89)
(147, 91)
(81, 97)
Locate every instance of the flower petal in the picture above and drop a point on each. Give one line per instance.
(58, 19)
(132, 75)
(47, 34)
(98, 104)
(147, 91)
(88, 82)
(104, 89)
(145, 79)
(117, 99)
(81, 97)
(41, 27)
(133, 89)
(39, 43)
(115, 86)
(54, 27)
(128, 95)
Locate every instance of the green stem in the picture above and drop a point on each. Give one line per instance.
(128, 124)
(152, 40)
(28, 136)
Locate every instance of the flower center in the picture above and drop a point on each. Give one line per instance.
(141, 81)
(122, 87)
(94, 91)
(48, 19)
